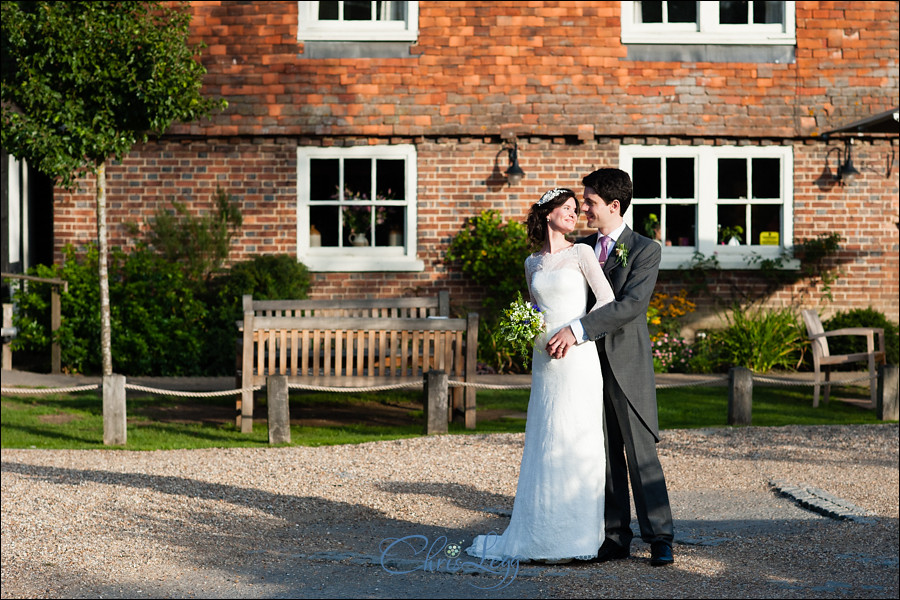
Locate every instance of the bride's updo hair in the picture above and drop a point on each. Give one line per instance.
(537, 216)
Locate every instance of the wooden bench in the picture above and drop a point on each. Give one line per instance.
(357, 343)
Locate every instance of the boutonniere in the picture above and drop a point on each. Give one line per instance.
(622, 254)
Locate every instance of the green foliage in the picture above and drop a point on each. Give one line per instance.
(863, 317)
(199, 243)
(266, 277)
(86, 80)
(161, 325)
(492, 254)
(153, 312)
(760, 340)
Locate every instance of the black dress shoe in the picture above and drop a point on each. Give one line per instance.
(611, 551)
(661, 554)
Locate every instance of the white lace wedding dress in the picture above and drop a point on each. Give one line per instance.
(558, 510)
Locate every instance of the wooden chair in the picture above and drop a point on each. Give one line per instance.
(823, 360)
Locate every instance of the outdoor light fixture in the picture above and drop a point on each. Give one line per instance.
(847, 172)
(514, 173)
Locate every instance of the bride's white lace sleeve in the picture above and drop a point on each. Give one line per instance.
(593, 272)
(529, 273)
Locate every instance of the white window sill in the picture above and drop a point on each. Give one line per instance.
(348, 262)
(730, 260)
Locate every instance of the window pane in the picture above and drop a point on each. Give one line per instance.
(768, 12)
(732, 222)
(732, 178)
(324, 221)
(651, 12)
(357, 179)
(681, 225)
(357, 10)
(324, 182)
(765, 221)
(357, 225)
(733, 13)
(328, 11)
(390, 179)
(646, 178)
(397, 11)
(766, 177)
(682, 12)
(389, 226)
(679, 177)
(646, 220)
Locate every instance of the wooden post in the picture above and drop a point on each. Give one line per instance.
(436, 395)
(245, 403)
(740, 396)
(55, 322)
(114, 425)
(887, 408)
(279, 409)
(471, 364)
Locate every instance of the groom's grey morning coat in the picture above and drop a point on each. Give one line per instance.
(627, 339)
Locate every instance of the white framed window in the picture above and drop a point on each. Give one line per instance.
(356, 208)
(358, 20)
(751, 22)
(731, 202)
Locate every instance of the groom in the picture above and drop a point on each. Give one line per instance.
(631, 263)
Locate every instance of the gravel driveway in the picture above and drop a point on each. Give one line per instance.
(312, 522)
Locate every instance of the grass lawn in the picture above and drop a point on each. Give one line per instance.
(75, 421)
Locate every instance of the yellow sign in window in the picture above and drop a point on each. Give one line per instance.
(768, 238)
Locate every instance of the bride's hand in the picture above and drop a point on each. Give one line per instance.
(560, 343)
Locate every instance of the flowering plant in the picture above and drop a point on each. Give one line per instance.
(358, 218)
(521, 323)
(671, 354)
(622, 254)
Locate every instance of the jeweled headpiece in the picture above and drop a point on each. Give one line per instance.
(552, 195)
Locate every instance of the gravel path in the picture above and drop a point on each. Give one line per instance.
(310, 522)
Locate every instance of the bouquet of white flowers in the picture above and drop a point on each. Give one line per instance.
(521, 323)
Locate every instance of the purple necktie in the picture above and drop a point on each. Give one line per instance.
(605, 243)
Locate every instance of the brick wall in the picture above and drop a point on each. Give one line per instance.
(540, 69)
(459, 178)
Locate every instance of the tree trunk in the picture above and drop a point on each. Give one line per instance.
(105, 335)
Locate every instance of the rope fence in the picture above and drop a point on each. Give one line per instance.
(721, 380)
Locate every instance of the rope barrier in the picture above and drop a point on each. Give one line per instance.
(800, 383)
(668, 386)
(373, 388)
(182, 394)
(37, 391)
(411, 384)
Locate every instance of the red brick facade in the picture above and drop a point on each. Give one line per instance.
(553, 75)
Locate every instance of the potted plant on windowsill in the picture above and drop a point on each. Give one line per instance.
(651, 228)
(731, 236)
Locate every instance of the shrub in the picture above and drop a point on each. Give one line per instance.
(200, 244)
(266, 277)
(665, 310)
(863, 317)
(155, 318)
(492, 254)
(759, 340)
(671, 354)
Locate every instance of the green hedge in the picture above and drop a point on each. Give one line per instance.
(163, 324)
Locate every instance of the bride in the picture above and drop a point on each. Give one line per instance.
(558, 511)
